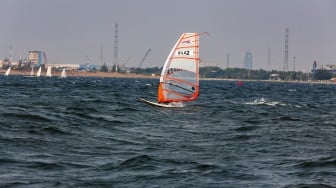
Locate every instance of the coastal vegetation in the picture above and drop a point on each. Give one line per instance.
(103, 68)
(322, 74)
(215, 72)
(240, 73)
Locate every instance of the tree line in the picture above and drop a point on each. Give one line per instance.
(240, 73)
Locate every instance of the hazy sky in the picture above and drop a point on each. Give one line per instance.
(70, 30)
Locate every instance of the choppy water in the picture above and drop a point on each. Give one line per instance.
(93, 132)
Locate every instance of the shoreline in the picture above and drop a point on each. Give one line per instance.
(272, 81)
(74, 73)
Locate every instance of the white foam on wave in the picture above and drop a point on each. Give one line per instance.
(263, 101)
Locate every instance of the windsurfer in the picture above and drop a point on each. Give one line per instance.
(179, 79)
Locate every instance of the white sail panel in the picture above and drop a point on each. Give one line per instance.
(63, 74)
(184, 65)
(38, 74)
(49, 72)
(8, 71)
(32, 71)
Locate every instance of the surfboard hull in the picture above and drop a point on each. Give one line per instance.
(169, 105)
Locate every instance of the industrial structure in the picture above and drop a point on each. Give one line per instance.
(286, 51)
(294, 63)
(101, 54)
(115, 57)
(227, 60)
(269, 58)
(144, 58)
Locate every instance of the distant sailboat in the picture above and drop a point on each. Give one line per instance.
(31, 73)
(49, 72)
(38, 74)
(179, 81)
(63, 74)
(8, 71)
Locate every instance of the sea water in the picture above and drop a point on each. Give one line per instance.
(95, 132)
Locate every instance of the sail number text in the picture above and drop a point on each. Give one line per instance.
(184, 52)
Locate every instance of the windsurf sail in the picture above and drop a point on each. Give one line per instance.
(8, 71)
(38, 74)
(179, 79)
(49, 72)
(32, 71)
(63, 74)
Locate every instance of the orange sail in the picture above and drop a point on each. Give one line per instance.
(179, 79)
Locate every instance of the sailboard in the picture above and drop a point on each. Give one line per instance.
(8, 71)
(179, 80)
(63, 74)
(31, 73)
(49, 72)
(38, 74)
(167, 105)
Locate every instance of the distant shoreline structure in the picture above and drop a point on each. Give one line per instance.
(75, 73)
(270, 81)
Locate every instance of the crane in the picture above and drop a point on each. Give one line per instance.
(144, 58)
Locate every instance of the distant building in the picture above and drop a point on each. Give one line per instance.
(248, 61)
(314, 67)
(317, 66)
(274, 77)
(37, 58)
(89, 67)
(332, 68)
(65, 66)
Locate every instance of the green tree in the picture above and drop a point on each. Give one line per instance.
(103, 68)
(113, 68)
(322, 74)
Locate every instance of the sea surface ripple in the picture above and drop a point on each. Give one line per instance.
(95, 132)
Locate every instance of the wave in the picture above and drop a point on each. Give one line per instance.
(136, 161)
(42, 165)
(96, 133)
(4, 161)
(247, 127)
(263, 101)
(318, 163)
(310, 185)
(28, 116)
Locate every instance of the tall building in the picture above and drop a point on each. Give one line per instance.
(115, 56)
(248, 61)
(38, 58)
